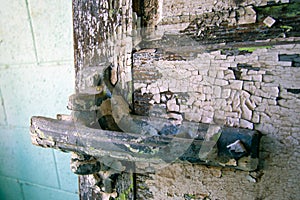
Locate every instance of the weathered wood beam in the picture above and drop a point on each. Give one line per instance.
(211, 145)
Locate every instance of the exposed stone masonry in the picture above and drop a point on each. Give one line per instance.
(187, 10)
(207, 88)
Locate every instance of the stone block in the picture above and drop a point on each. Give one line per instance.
(206, 120)
(269, 21)
(256, 99)
(232, 114)
(217, 92)
(154, 90)
(221, 82)
(229, 75)
(261, 93)
(290, 103)
(163, 87)
(235, 84)
(268, 78)
(156, 98)
(271, 91)
(172, 106)
(212, 73)
(285, 1)
(197, 79)
(196, 117)
(255, 117)
(208, 80)
(246, 124)
(207, 90)
(246, 112)
(226, 93)
(232, 121)
(219, 103)
(257, 78)
(247, 15)
(250, 87)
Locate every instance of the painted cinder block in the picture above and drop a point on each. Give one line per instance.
(10, 189)
(35, 192)
(16, 43)
(21, 160)
(52, 29)
(2, 111)
(67, 179)
(35, 90)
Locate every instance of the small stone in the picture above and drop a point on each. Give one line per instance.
(163, 88)
(229, 75)
(175, 116)
(272, 91)
(156, 98)
(232, 121)
(220, 75)
(217, 92)
(235, 84)
(247, 15)
(114, 76)
(255, 117)
(196, 117)
(226, 93)
(251, 179)
(154, 90)
(216, 172)
(246, 124)
(237, 147)
(231, 162)
(207, 120)
(246, 112)
(249, 86)
(269, 21)
(257, 78)
(207, 90)
(221, 82)
(163, 98)
(207, 80)
(172, 106)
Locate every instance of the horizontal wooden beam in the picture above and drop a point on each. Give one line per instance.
(208, 144)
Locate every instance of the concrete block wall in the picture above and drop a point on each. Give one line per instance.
(36, 78)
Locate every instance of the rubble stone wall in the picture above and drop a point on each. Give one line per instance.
(237, 90)
(256, 88)
(184, 10)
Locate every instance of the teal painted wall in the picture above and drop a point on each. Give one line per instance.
(36, 78)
